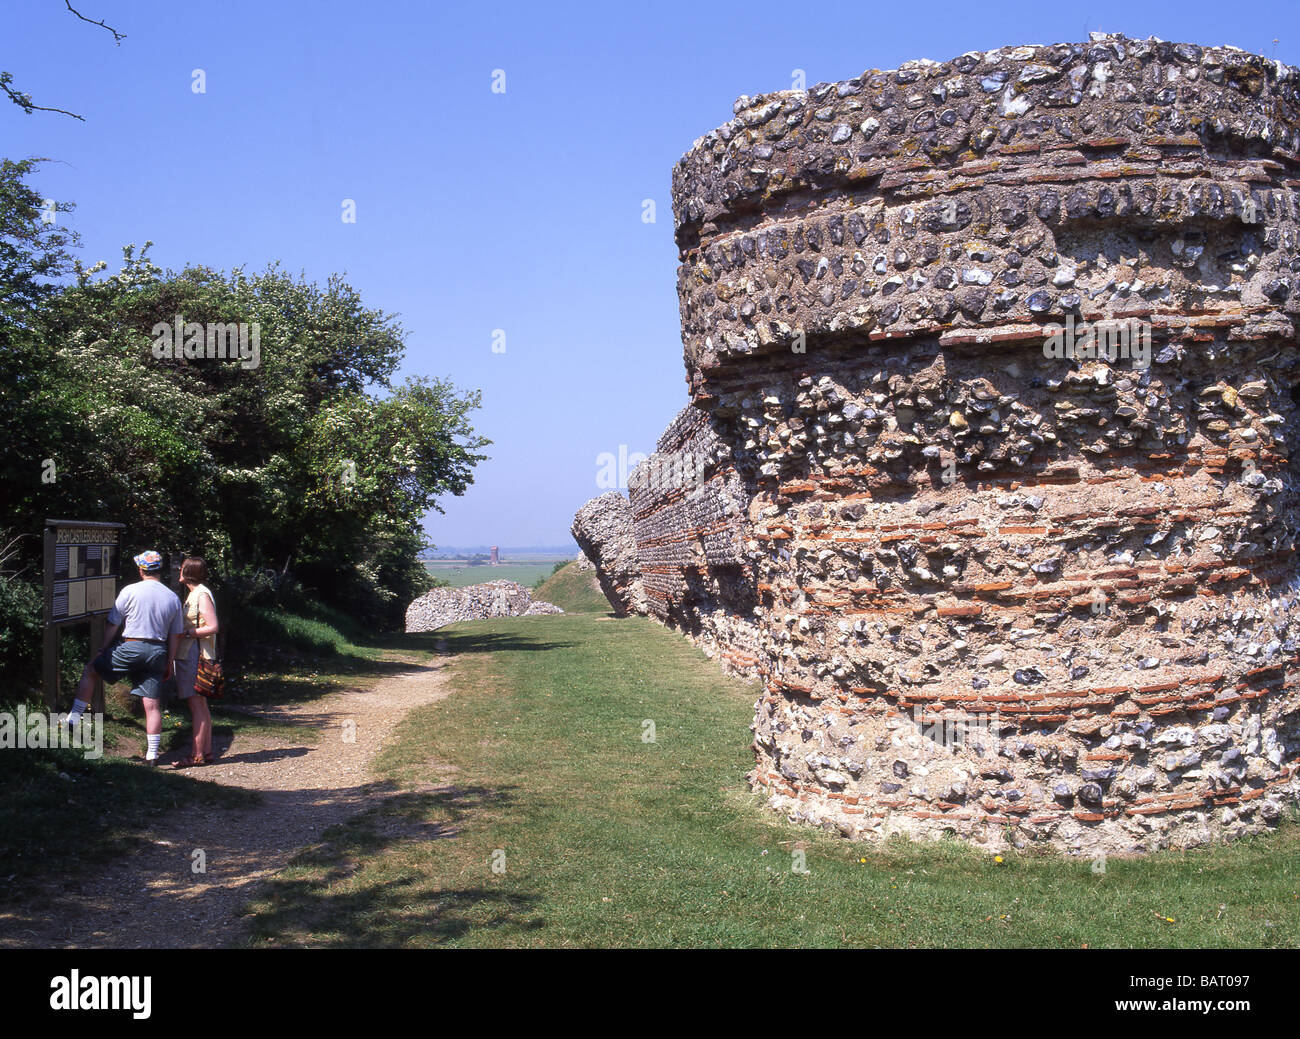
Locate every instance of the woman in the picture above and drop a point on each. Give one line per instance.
(200, 640)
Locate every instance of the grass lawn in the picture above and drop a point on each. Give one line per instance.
(536, 764)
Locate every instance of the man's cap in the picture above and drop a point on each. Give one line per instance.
(149, 561)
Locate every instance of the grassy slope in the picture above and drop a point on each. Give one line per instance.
(612, 841)
(573, 591)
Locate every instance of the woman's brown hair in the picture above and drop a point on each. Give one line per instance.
(194, 569)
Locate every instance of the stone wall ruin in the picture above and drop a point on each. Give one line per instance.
(992, 366)
(441, 606)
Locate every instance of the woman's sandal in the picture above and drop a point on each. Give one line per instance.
(189, 762)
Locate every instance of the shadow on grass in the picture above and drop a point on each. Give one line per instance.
(227, 723)
(284, 678)
(451, 642)
(325, 898)
(62, 811)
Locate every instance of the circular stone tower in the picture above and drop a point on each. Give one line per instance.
(1004, 350)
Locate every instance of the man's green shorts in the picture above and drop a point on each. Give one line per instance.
(144, 663)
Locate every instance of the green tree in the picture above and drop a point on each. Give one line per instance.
(304, 456)
(33, 255)
(310, 456)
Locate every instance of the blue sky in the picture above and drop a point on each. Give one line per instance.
(475, 210)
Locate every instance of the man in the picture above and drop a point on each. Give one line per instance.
(151, 620)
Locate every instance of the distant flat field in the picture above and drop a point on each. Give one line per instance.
(459, 574)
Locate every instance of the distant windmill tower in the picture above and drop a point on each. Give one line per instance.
(495, 561)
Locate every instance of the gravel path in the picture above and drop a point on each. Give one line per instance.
(152, 899)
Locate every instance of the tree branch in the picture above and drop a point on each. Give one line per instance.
(24, 101)
(118, 37)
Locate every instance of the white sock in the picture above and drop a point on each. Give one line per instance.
(154, 741)
(74, 715)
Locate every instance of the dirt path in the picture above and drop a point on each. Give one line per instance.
(152, 898)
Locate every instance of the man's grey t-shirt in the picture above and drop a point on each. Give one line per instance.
(148, 610)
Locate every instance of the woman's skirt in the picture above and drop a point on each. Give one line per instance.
(187, 671)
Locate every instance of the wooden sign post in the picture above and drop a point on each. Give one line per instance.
(82, 565)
